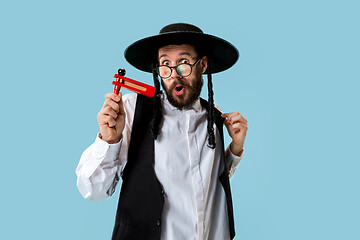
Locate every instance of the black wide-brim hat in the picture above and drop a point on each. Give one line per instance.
(143, 53)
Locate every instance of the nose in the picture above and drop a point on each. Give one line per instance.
(174, 73)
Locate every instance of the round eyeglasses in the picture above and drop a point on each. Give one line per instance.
(183, 69)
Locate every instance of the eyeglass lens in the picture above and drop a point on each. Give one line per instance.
(183, 70)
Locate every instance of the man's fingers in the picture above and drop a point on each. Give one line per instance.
(238, 118)
(111, 122)
(112, 104)
(236, 127)
(111, 118)
(109, 111)
(225, 115)
(113, 107)
(242, 119)
(106, 120)
(113, 96)
(229, 116)
(233, 117)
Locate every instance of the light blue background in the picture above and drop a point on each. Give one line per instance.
(297, 83)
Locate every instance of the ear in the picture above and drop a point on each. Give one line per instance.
(204, 64)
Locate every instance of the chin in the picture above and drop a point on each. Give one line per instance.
(181, 103)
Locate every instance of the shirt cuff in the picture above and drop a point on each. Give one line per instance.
(103, 152)
(103, 149)
(232, 161)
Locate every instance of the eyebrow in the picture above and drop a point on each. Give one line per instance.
(180, 54)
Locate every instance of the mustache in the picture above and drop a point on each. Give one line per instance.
(181, 82)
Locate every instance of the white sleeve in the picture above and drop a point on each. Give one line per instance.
(232, 161)
(97, 170)
(101, 164)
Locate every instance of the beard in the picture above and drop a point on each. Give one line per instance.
(184, 101)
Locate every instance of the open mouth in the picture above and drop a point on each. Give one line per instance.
(179, 89)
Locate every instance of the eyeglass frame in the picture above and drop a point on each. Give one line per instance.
(171, 68)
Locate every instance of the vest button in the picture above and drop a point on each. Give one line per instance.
(158, 222)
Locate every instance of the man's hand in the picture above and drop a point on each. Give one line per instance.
(111, 118)
(237, 128)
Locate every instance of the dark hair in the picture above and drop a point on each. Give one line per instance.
(210, 115)
(157, 117)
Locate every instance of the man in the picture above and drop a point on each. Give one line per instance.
(168, 149)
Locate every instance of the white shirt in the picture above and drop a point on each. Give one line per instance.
(195, 202)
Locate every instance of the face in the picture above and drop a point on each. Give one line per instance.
(182, 91)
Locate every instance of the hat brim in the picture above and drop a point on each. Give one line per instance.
(143, 53)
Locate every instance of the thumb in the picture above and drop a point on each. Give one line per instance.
(224, 115)
(226, 122)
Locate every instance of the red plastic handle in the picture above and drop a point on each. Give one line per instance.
(133, 85)
(117, 87)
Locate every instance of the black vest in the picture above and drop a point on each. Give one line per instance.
(141, 200)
